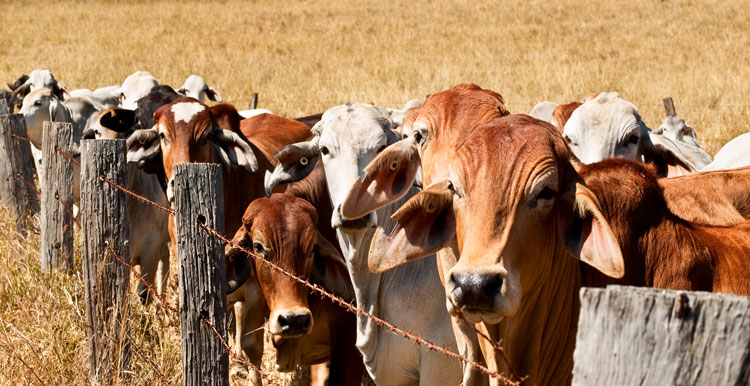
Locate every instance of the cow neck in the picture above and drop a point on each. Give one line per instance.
(241, 188)
(540, 338)
(366, 284)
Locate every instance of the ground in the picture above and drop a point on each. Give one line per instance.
(303, 57)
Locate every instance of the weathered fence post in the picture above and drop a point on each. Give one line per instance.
(104, 211)
(199, 200)
(254, 101)
(57, 197)
(17, 189)
(669, 107)
(642, 336)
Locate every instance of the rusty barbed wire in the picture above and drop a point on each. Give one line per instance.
(173, 309)
(313, 287)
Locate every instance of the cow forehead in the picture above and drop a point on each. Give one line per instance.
(606, 112)
(357, 122)
(185, 111)
(283, 219)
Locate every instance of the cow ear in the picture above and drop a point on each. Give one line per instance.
(329, 269)
(543, 111)
(296, 161)
(387, 178)
(669, 159)
(143, 146)
(234, 150)
(238, 264)
(119, 120)
(586, 233)
(212, 94)
(426, 224)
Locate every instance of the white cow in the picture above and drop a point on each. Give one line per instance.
(136, 86)
(411, 296)
(197, 88)
(39, 78)
(735, 154)
(149, 232)
(684, 136)
(608, 126)
(102, 96)
(43, 105)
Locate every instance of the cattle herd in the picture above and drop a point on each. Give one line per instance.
(451, 218)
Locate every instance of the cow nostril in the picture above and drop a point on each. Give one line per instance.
(294, 324)
(493, 285)
(475, 290)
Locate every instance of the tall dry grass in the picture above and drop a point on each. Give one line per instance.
(305, 56)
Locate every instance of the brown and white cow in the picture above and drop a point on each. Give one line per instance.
(661, 249)
(522, 221)
(305, 328)
(440, 125)
(189, 131)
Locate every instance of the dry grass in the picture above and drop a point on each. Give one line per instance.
(303, 57)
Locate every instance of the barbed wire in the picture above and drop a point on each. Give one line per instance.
(313, 287)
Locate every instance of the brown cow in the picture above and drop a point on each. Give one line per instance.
(521, 218)
(660, 249)
(189, 131)
(305, 328)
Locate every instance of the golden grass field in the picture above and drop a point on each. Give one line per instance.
(304, 57)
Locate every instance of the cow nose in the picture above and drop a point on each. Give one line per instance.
(170, 190)
(475, 290)
(295, 324)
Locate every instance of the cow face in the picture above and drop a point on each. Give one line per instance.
(512, 216)
(195, 86)
(442, 122)
(136, 86)
(280, 229)
(189, 131)
(675, 128)
(40, 106)
(347, 139)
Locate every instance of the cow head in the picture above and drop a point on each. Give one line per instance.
(347, 138)
(442, 122)
(37, 79)
(608, 126)
(282, 230)
(40, 106)
(136, 86)
(112, 123)
(195, 87)
(518, 211)
(675, 128)
(189, 131)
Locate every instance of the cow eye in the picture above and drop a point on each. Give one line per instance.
(633, 139)
(163, 138)
(546, 194)
(417, 137)
(204, 138)
(324, 150)
(38, 103)
(404, 136)
(257, 248)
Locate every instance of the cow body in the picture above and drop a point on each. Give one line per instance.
(732, 155)
(660, 249)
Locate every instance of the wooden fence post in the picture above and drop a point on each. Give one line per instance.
(17, 189)
(642, 336)
(57, 197)
(199, 200)
(254, 101)
(104, 211)
(669, 107)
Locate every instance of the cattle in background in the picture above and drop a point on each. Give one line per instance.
(195, 87)
(346, 139)
(441, 124)
(553, 113)
(661, 249)
(685, 138)
(543, 110)
(44, 105)
(148, 224)
(189, 131)
(39, 78)
(522, 223)
(102, 96)
(136, 86)
(608, 126)
(734, 154)
(305, 328)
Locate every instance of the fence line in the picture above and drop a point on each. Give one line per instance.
(318, 289)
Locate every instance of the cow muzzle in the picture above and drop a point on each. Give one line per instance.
(355, 225)
(479, 296)
(170, 191)
(288, 324)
